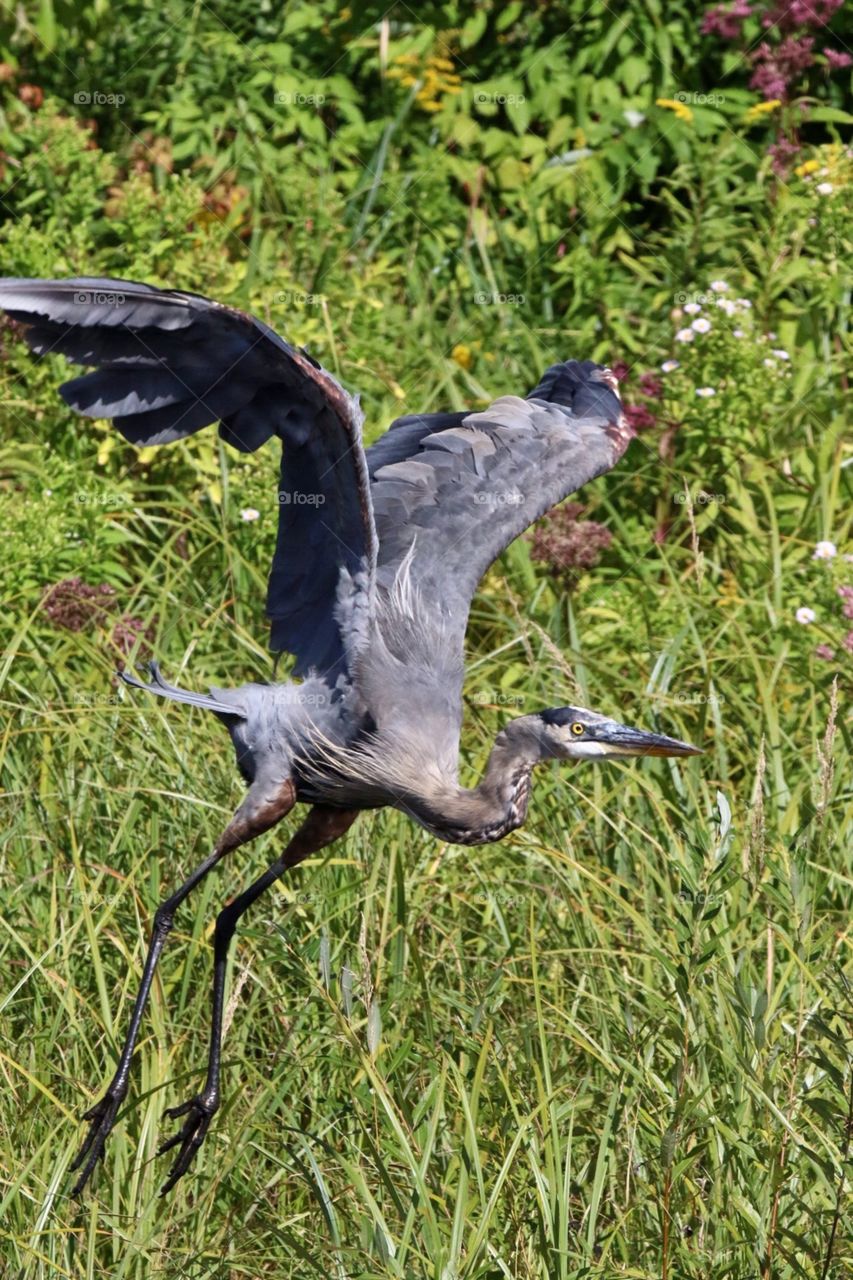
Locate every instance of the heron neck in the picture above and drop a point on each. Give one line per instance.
(498, 804)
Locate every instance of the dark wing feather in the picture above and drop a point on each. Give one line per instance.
(167, 364)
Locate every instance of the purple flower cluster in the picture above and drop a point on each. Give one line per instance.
(72, 605)
(569, 545)
(782, 153)
(793, 14)
(726, 21)
(651, 386)
(639, 416)
(129, 633)
(779, 66)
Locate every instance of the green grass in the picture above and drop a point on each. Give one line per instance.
(613, 1044)
(616, 1044)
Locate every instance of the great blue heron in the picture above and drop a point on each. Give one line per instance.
(378, 555)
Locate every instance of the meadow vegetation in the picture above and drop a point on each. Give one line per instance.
(617, 1043)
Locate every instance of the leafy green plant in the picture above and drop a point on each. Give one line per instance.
(617, 1043)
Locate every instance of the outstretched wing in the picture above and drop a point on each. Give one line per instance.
(468, 484)
(168, 363)
(450, 491)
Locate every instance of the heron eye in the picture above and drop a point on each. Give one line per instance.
(578, 728)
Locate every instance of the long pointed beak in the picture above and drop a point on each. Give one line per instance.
(638, 742)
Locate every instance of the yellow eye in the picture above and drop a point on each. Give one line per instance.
(578, 728)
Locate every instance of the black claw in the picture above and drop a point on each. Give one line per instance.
(180, 1110)
(189, 1137)
(170, 1142)
(101, 1117)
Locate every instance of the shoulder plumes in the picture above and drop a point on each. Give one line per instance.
(409, 677)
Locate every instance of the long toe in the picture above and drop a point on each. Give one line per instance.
(101, 1117)
(189, 1137)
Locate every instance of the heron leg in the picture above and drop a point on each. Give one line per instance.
(321, 827)
(261, 809)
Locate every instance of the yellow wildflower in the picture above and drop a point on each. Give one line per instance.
(680, 109)
(462, 355)
(435, 75)
(105, 449)
(759, 109)
(808, 166)
(728, 591)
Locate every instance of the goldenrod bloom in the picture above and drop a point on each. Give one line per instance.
(680, 109)
(808, 166)
(759, 109)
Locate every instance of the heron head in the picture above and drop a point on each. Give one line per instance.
(572, 733)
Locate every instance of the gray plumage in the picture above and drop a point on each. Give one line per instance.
(378, 555)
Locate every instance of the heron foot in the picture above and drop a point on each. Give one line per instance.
(199, 1111)
(163, 689)
(101, 1117)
